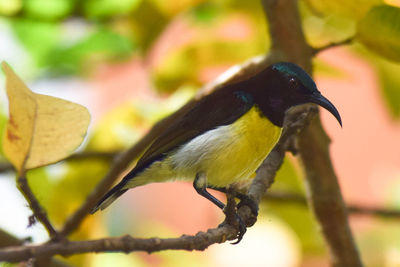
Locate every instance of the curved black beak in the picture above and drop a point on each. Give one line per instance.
(319, 99)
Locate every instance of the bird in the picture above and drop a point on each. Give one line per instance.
(224, 137)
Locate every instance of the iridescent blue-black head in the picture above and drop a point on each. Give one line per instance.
(297, 87)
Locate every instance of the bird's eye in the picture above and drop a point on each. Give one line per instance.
(293, 82)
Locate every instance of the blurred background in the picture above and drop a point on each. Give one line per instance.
(132, 62)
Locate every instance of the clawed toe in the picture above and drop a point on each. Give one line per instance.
(250, 203)
(242, 230)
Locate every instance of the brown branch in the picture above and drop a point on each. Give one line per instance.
(106, 155)
(294, 198)
(35, 206)
(124, 244)
(7, 240)
(347, 41)
(324, 196)
(7, 167)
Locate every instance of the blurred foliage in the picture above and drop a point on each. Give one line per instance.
(321, 30)
(374, 25)
(384, 22)
(147, 23)
(380, 245)
(30, 32)
(390, 84)
(353, 9)
(10, 7)
(70, 57)
(100, 9)
(62, 188)
(99, 46)
(299, 218)
(48, 9)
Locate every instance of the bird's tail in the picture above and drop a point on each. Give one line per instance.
(131, 180)
(109, 198)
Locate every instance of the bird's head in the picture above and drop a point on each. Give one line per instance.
(297, 87)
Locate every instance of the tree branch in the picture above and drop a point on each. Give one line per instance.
(123, 244)
(7, 240)
(293, 198)
(35, 206)
(324, 194)
(333, 45)
(6, 166)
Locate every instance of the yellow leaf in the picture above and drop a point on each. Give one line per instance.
(41, 129)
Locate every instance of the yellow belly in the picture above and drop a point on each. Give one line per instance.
(252, 138)
(226, 155)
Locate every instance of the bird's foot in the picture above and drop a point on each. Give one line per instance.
(239, 223)
(232, 218)
(242, 230)
(247, 201)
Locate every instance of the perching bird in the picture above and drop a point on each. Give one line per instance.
(226, 135)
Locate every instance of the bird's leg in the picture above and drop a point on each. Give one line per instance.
(245, 200)
(200, 185)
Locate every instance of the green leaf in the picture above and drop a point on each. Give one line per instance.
(10, 7)
(147, 23)
(390, 81)
(48, 9)
(297, 217)
(379, 31)
(109, 8)
(38, 37)
(205, 12)
(100, 46)
(184, 66)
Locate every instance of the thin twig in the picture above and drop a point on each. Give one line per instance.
(107, 155)
(7, 240)
(347, 41)
(294, 198)
(35, 206)
(124, 244)
(7, 167)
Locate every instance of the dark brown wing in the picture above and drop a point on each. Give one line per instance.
(222, 107)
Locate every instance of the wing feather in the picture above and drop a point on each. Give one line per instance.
(222, 107)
